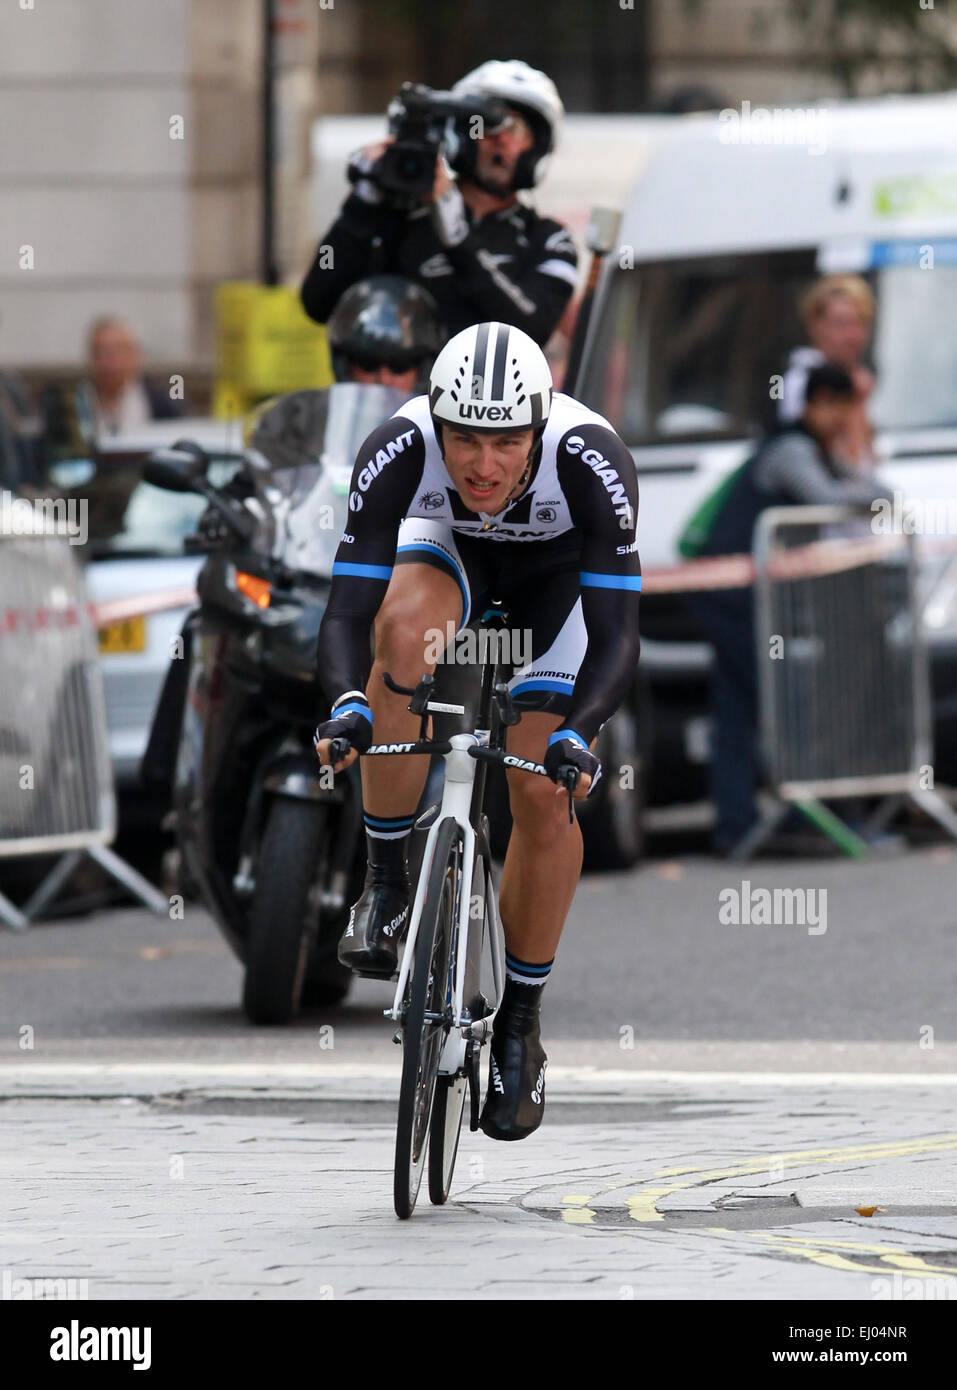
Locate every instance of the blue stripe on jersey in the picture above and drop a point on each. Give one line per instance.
(356, 707)
(589, 580)
(361, 571)
(560, 734)
(450, 565)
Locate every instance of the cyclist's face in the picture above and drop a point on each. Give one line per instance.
(485, 468)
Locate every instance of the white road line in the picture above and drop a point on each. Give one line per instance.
(24, 1073)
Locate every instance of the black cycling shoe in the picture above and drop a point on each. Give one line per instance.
(515, 1103)
(377, 923)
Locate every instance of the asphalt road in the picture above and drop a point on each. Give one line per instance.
(645, 951)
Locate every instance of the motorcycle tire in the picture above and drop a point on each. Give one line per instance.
(277, 943)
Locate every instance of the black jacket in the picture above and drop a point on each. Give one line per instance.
(514, 266)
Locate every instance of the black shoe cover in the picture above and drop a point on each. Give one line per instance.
(377, 923)
(516, 1092)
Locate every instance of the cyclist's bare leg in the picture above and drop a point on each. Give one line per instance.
(419, 597)
(544, 859)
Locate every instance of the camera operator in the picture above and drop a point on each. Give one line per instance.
(481, 252)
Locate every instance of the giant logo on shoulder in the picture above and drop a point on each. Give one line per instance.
(604, 470)
(383, 456)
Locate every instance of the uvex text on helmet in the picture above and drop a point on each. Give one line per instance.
(491, 376)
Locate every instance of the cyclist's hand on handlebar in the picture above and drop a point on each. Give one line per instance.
(566, 747)
(351, 722)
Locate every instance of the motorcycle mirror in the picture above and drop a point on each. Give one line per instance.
(177, 469)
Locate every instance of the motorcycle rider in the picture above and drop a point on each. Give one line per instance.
(490, 485)
(384, 330)
(481, 252)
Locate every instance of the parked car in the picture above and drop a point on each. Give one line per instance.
(134, 550)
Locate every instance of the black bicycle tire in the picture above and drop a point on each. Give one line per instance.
(440, 1176)
(413, 1030)
(441, 1162)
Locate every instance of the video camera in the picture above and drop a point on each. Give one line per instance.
(419, 120)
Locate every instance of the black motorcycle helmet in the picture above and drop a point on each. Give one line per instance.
(385, 321)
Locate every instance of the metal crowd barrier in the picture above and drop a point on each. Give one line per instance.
(843, 674)
(56, 780)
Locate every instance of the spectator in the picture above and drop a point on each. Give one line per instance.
(838, 312)
(795, 466)
(21, 436)
(116, 398)
(479, 251)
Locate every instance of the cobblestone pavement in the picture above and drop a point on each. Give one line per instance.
(278, 1185)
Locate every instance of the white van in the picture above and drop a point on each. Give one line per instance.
(733, 217)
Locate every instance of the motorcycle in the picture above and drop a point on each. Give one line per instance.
(273, 846)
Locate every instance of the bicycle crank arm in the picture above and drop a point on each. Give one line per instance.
(473, 1071)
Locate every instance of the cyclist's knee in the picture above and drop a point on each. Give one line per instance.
(537, 812)
(401, 640)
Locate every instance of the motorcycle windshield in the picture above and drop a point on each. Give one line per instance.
(310, 440)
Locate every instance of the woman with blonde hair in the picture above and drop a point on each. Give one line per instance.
(838, 313)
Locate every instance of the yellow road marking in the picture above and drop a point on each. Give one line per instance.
(577, 1212)
(643, 1204)
(820, 1252)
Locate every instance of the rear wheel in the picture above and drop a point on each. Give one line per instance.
(277, 944)
(425, 1025)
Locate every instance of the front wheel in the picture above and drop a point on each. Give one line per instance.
(425, 1025)
(444, 1134)
(277, 943)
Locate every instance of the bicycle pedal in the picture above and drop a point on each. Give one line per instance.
(397, 1036)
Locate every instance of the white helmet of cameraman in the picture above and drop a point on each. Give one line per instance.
(493, 378)
(530, 92)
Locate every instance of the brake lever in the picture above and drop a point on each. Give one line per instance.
(507, 713)
(568, 775)
(419, 704)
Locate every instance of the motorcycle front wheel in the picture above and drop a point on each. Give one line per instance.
(277, 943)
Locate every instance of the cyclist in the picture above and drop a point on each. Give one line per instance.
(488, 486)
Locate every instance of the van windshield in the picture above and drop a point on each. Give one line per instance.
(693, 349)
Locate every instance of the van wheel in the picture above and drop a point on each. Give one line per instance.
(613, 823)
(278, 940)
